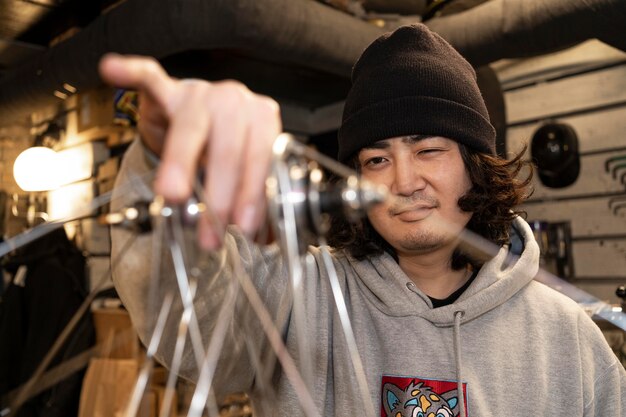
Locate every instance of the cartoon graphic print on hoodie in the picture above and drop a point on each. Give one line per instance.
(416, 397)
(508, 337)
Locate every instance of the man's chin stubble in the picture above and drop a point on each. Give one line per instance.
(422, 243)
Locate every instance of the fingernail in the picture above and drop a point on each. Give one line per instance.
(172, 183)
(246, 221)
(208, 240)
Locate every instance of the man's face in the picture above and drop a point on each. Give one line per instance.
(426, 177)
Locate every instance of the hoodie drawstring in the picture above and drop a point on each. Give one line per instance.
(458, 315)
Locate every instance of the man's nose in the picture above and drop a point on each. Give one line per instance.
(408, 178)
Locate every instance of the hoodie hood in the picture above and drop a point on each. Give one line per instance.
(499, 279)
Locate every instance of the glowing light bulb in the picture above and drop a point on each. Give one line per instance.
(37, 169)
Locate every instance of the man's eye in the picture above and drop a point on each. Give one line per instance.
(375, 160)
(429, 151)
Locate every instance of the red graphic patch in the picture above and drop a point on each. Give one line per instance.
(416, 397)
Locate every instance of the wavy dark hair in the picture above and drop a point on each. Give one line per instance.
(497, 188)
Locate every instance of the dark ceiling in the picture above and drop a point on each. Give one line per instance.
(298, 51)
(29, 26)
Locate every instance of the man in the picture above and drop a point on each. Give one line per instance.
(440, 333)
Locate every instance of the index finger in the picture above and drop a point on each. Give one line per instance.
(144, 74)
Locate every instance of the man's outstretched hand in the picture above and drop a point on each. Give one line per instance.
(220, 127)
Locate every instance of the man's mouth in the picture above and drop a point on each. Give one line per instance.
(413, 213)
(419, 207)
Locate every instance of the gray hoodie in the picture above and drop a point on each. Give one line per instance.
(513, 345)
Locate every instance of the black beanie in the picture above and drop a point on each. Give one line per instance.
(410, 82)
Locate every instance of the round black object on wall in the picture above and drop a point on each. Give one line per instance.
(554, 150)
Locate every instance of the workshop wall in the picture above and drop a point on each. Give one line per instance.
(582, 226)
(90, 139)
